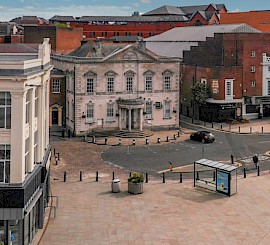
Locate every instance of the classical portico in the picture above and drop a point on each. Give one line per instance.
(130, 114)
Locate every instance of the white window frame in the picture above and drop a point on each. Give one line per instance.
(167, 109)
(228, 89)
(252, 69)
(6, 108)
(129, 83)
(252, 83)
(148, 83)
(110, 112)
(56, 85)
(90, 85)
(252, 54)
(110, 84)
(148, 109)
(5, 162)
(89, 113)
(167, 83)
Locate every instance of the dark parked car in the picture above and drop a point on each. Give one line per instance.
(203, 136)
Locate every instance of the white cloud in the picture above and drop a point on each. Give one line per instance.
(145, 1)
(8, 13)
(236, 10)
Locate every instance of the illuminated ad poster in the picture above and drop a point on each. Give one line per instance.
(223, 182)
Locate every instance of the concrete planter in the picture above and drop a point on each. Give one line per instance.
(135, 188)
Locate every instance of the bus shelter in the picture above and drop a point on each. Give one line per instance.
(216, 176)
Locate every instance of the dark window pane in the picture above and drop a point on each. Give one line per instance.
(8, 125)
(2, 117)
(1, 172)
(2, 98)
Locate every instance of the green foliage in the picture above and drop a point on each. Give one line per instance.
(136, 178)
(200, 93)
(61, 25)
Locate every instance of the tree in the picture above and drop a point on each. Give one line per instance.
(200, 93)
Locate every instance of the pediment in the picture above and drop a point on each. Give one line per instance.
(167, 73)
(149, 73)
(131, 54)
(111, 73)
(90, 74)
(129, 73)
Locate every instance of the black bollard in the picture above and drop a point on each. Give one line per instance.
(69, 133)
(262, 130)
(54, 151)
(80, 175)
(214, 176)
(212, 125)
(181, 178)
(158, 140)
(97, 176)
(163, 177)
(146, 177)
(56, 162)
(63, 133)
(245, 175)
(258, 170)
(197, 175)
(130, 174)
(232, 159)
(106, 140)
(113, 175)
(65, 176)
(58, 156)
(167, 139)
(147, 141)
(239, 129)
(221, 126)
(174, 137)
(178, 134)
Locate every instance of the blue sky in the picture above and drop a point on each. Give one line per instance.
(48, 8)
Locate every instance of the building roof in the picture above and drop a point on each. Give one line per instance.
(172, 43)
(19, 48)
(62, 18)
(30, 19)
(184, 10)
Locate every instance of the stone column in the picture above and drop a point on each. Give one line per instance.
(18, 110)
(30, 164)
(141, 119)
(120, 118)
(129, 120)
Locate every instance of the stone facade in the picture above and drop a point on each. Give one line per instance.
(124, 90)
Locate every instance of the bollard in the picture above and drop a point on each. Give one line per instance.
(54, 151)
(167, 140)
(56, 162)
(212, 125)
(133, 142)
(181, 177)
(221, 126)
(63, 133)
(214, 176)
(130, 174)
(119, 143)
(158, 140)
(258, 170)
(163, 177)
(113, 175)
(97, 176)
(106, 140)
(65, 176)
(262, 130)
(250, 130)
(146, 177)
(58, 156)
(178, 134)
(232, 159)
(80, 175)
(197, 175)
(239, 129)
(245, 175)
(174, 137)
(69, 133)
(147, 141)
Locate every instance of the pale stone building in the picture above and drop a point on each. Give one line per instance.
(24, 139)
(119, 87)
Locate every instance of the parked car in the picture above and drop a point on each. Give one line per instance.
(203, 136)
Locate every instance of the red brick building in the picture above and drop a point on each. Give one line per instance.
(258, 19)
(149, 24)
(63, 39)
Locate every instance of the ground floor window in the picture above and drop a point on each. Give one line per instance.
(4, 163)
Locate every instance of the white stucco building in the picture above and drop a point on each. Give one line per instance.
(24, 139)
(119, 87)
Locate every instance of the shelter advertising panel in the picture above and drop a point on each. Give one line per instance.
(223, 182)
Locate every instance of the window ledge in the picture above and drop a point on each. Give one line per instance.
(167, 117)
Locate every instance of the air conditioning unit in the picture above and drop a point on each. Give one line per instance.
(158, 105)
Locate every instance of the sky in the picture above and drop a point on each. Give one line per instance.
(10, 9)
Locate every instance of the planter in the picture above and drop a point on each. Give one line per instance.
(135, 188)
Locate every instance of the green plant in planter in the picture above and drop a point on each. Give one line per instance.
(136, 178)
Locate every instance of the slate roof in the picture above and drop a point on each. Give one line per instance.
(172, 43)
(18, 48)
(62, 18)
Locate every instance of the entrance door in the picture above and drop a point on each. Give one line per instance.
(55, 116)
(132, 119)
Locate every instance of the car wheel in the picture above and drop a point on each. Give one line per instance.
(203, 141)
